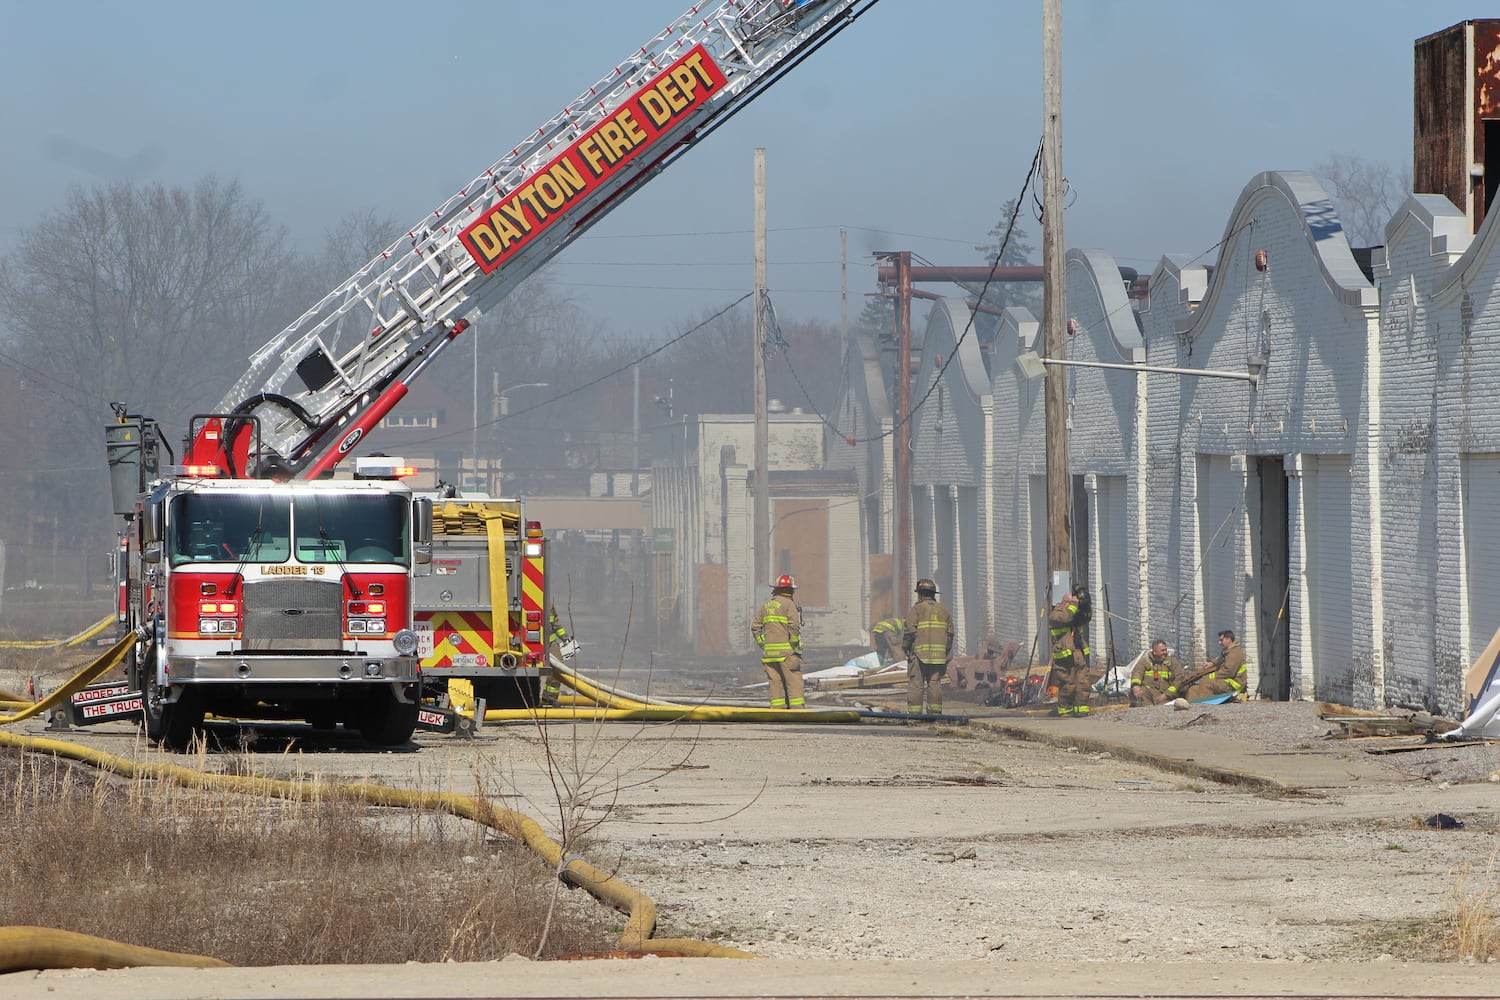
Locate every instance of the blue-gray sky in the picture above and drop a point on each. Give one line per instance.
(910, 129)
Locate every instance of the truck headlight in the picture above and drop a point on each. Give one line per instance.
(405, 642)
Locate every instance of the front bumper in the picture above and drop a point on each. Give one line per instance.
(339, 669)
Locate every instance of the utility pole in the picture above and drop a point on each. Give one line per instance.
(635, 432)
(1054, 307)
(900, 577)
(762, 420)
(843, 294)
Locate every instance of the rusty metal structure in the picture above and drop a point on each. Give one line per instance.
(1456, 116)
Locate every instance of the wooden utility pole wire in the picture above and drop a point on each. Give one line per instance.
(762, 516)
(1054, 306)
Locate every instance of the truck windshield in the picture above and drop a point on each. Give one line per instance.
(352, 528)
(208, 527)
(316, 528)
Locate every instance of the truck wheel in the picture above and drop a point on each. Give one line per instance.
(169, 725)
(387, 722)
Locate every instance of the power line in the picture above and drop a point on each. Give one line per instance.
(903, 419)
(592, 382)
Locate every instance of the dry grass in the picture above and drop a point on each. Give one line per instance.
(1473, 922)
(269, 882)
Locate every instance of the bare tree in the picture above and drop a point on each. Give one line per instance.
(148, 295)
(1366, 195)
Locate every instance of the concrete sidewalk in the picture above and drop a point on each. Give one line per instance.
(1202, 755)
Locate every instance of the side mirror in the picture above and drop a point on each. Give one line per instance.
(152, 526)
(421, 531)
(151, 551)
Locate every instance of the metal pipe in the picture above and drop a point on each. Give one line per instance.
(1161, 369)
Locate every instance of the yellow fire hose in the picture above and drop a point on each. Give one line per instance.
(33, 947)
(602, 885)
(72, 640)
(579, 683)
(24, 947)
(107, 661)
(704, 713)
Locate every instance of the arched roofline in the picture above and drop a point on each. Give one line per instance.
(1451, 282)
(1321, 227)
(1022, 326)
(969, 358)
(1119, 317)
(874, 377)
(1188, 275)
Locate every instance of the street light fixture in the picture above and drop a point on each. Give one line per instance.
(505, 401)
(503, 408)
(1032, 366)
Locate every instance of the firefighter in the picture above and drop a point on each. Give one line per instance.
(557, 634)
(1153, 680)
(928, 639)
(887, 636)
(1068, 629)
(1224, 674)
(777, 629)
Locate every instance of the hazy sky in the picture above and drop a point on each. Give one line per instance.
(910, 129)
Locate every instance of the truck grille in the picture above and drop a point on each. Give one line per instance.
(289, 615)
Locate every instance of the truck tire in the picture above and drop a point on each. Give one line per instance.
(387, 722)
(171, 726)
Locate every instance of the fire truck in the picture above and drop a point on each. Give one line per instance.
(482, 613)
(267, 599)
(282, 619)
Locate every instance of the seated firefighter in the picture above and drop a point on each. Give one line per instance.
(1224, 674)
(1154, 679)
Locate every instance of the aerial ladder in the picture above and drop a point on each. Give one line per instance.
(317, 389)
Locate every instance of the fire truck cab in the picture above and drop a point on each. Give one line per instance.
(266, 599)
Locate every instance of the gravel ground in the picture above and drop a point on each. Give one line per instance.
(953, 843)
(1084, 858)
(1282, 725)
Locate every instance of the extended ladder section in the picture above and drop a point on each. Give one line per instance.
(317, 388)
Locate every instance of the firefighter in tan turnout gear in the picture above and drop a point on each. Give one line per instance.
(1153, 682)
(1224, 674)
(929, 643)
(1067, 625)
(886, 636)
(778, 632)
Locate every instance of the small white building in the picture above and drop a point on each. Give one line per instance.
(702, 512)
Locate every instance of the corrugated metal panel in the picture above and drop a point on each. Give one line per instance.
(1481, 500)
(1329, 514)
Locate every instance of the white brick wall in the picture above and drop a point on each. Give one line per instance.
(1017, 447)
(1395, 384)
(950, 461)
(1463, 316)
(1422, 241)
